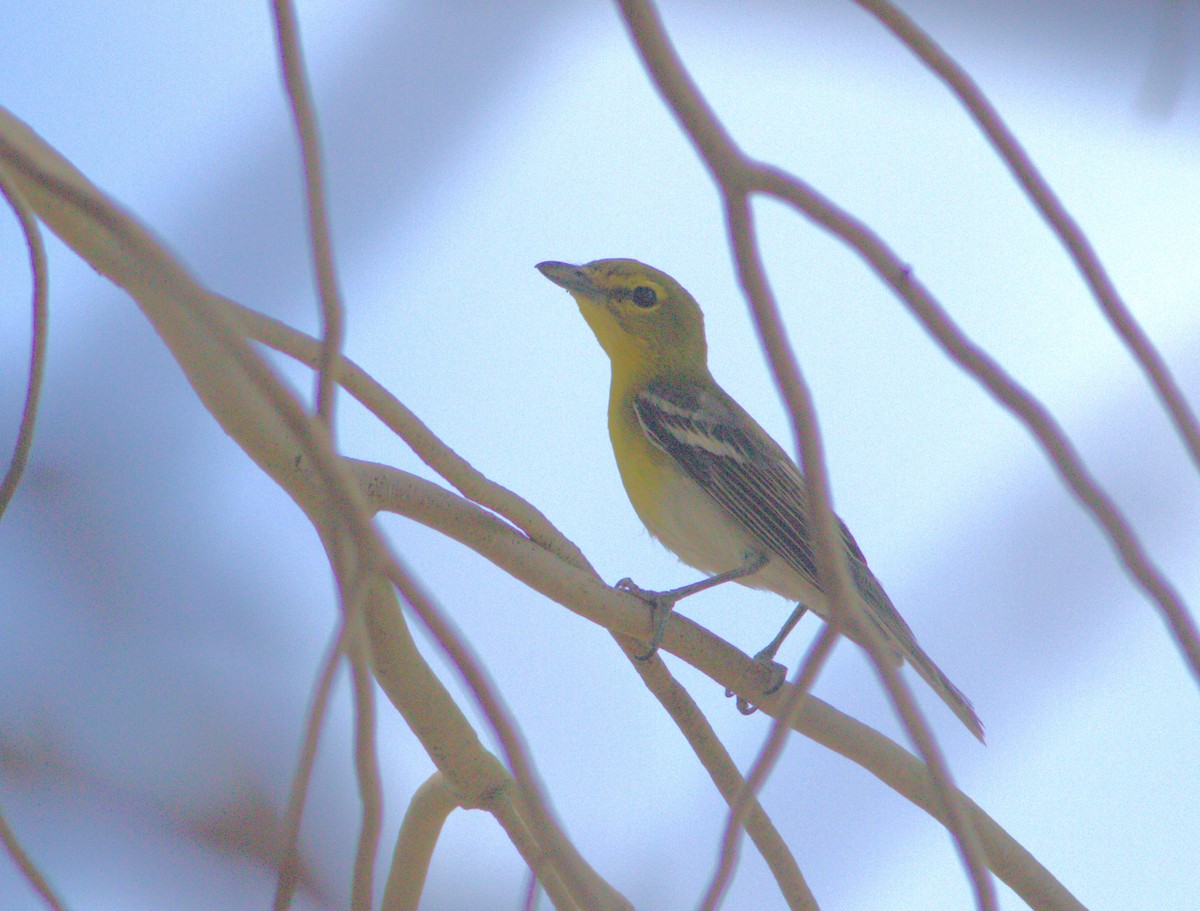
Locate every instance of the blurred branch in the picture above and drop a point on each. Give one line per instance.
(366, 765)
(453, 745)
(1017, 400)
(37, 344)
(1048, 204)
(529, 798)
(267, 421)
(1171, 50)
(529, 899)
(423, 820)
(580, 590)
(403, 493)
(427, 446)
(725, 775)
(735, 176)
(351, 577)
(285, 882)
(290, 448)
(456, 470)
(424, 443)
(340, 496)
(739, 176)
(525, 516)
(767, 317)
(28, 868)
(291, 56)
(743, 800)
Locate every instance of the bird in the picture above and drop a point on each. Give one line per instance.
(702, 475)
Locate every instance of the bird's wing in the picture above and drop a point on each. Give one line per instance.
(733, 461)
(722, 449)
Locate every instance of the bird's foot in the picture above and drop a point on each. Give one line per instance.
(776, 675)
(661, 605)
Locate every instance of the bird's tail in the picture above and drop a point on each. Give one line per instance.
(899, 636)
(959, 704)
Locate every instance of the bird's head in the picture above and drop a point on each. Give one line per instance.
(642, 317)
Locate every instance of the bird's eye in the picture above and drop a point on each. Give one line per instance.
(644, 297)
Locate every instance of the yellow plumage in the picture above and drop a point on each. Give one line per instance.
(705, 479)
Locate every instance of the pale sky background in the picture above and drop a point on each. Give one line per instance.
(163, 608)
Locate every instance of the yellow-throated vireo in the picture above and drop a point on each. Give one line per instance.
(705, 479)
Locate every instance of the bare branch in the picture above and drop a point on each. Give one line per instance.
(285, 883)
(1011, 395)
(428, 447)
(37, 344)
(734, 175)
(28, 868)
(264, 418)
(622, 614)
(366, 766)
(741, 798)
(1048, 204)
(332, 312)
(427, 812)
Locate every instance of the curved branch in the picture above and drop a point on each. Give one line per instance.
(1011, 395)
(725, 775)
(735, 175)
(29, 869)
(366, 767)
(456, 470)
(1053, 211)
(263, 416)
(295, 80)
(285, 880)
(397, 491)
(427, 812)
(37, 343)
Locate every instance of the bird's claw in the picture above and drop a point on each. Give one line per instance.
(777, 676)
(660, 611)
(632, 588)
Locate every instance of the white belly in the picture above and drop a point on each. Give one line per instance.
(702, 535)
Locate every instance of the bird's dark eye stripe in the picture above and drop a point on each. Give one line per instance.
(644, 296)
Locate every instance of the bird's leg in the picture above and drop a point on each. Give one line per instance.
(768, 652)
(766, 656)
(662, 603)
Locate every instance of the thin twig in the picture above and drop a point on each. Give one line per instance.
(515, 823)
(285, 883)
(291, 55)
(422, 501)
(366, 766)
(249, 401)
(734, 174)
(1047, 202)
(747, 795)
(28, 868)
(1015, 398)
(512, 744)
(37, 342)
(237, 384)
(478, 777)
(437, 455)
(782, 359)
(529, 900)
(742, 799)
(428, 447)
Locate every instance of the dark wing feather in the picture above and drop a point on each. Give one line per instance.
(763, 490)
(755, 483)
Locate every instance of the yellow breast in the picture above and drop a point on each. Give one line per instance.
(686, 520)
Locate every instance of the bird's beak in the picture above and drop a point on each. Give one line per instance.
(573, 278)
